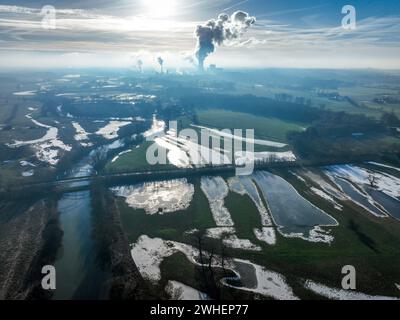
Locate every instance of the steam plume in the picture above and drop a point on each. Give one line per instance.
(161, 63)
(216, 32)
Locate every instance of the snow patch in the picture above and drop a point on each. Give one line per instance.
(340, 294)
(327, 197)
(24, 163)
(179, 291)
(269, 283)
(148, 253)
(230, 239)
(298, 176)
(223, 134)
(120, 154)
(28, 173)
(266, 234)
(243, 157)
(110, 131)
(157, 128)
(384, 165)
(384, 182)
(81, 135)
(158, 197)
(234, 242)
(47, 147)
(215, 189)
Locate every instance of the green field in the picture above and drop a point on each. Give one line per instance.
(135, 160)
(264, 128)
(169, 226)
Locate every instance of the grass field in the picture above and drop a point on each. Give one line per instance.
(135, 160)
(169, 226)
(264, 128)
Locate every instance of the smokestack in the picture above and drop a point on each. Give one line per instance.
(139, 64)
(216, 32)
(161, 63)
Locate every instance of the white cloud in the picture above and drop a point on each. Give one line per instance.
(375, 42)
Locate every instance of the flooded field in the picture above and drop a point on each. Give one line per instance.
(294, 215)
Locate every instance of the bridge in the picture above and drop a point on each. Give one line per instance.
(74, 184)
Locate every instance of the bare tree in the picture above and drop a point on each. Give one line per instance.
(208, 260)
(372, 180)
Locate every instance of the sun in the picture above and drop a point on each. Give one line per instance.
(160, 8)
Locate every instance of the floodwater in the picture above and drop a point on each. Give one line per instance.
(291, 212)
(358, 197)
(391, 205)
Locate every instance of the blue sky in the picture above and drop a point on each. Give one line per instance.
(293, 33)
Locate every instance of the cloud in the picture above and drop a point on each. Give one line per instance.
(375, 42)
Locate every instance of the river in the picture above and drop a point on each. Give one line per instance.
(78, 272)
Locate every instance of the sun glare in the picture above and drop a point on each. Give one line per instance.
(160, 8)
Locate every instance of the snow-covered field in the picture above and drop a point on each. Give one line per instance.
(329, 188)
(384, 166)
(157, 128)
(220, 232)
(243, 157)
(47, 148)
(148, 254)
(176, 156)
(182, 151)
(185, 153)
(234, 242)
(269, 283)
(179, 291)
(300, 178)
(158, 197)
(266, 234)
(81, 135)
(216, 189)
(223, 134)
(355, 183)
(327, 197)
(110, 131)
(230, 239)
(384, 182)
(340, 294)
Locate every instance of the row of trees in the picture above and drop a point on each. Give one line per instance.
(340, 136)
